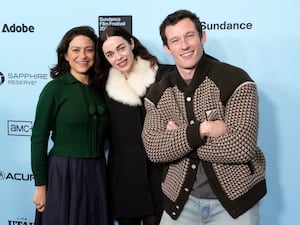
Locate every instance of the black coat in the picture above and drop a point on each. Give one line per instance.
(134, 183)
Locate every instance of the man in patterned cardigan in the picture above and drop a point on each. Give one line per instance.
(202, 122)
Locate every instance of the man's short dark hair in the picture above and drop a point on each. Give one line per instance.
(174, 18)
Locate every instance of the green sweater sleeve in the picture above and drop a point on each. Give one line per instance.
(44, 117)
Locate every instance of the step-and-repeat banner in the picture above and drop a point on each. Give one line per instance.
(260, 36)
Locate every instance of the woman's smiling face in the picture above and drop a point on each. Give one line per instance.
(118, 53)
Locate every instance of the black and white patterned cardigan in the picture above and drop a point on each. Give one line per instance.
(234, 164)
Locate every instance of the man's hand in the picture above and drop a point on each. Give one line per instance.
(171, 125)
(212, 128)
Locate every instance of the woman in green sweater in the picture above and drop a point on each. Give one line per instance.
(70, 177)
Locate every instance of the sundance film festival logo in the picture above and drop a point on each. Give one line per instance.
(121, 21)
(19, 128)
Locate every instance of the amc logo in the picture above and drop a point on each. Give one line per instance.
(19, 128)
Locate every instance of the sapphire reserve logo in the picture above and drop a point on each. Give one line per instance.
(23, 78)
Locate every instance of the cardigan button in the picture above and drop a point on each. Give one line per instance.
(174, 213)
(186, 189)
(188, 99)
(193, 166)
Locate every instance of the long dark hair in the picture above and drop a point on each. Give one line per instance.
(62, 65)
(103, 66)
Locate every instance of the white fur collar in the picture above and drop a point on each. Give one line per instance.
(128, 91)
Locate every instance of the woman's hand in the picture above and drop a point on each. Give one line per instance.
(39, 198)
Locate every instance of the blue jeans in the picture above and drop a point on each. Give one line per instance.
(199, 211)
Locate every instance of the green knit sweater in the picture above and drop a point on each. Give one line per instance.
(74, 116)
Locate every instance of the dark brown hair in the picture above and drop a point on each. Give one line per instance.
(103, 65)
(62, 65)
(174, 18)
